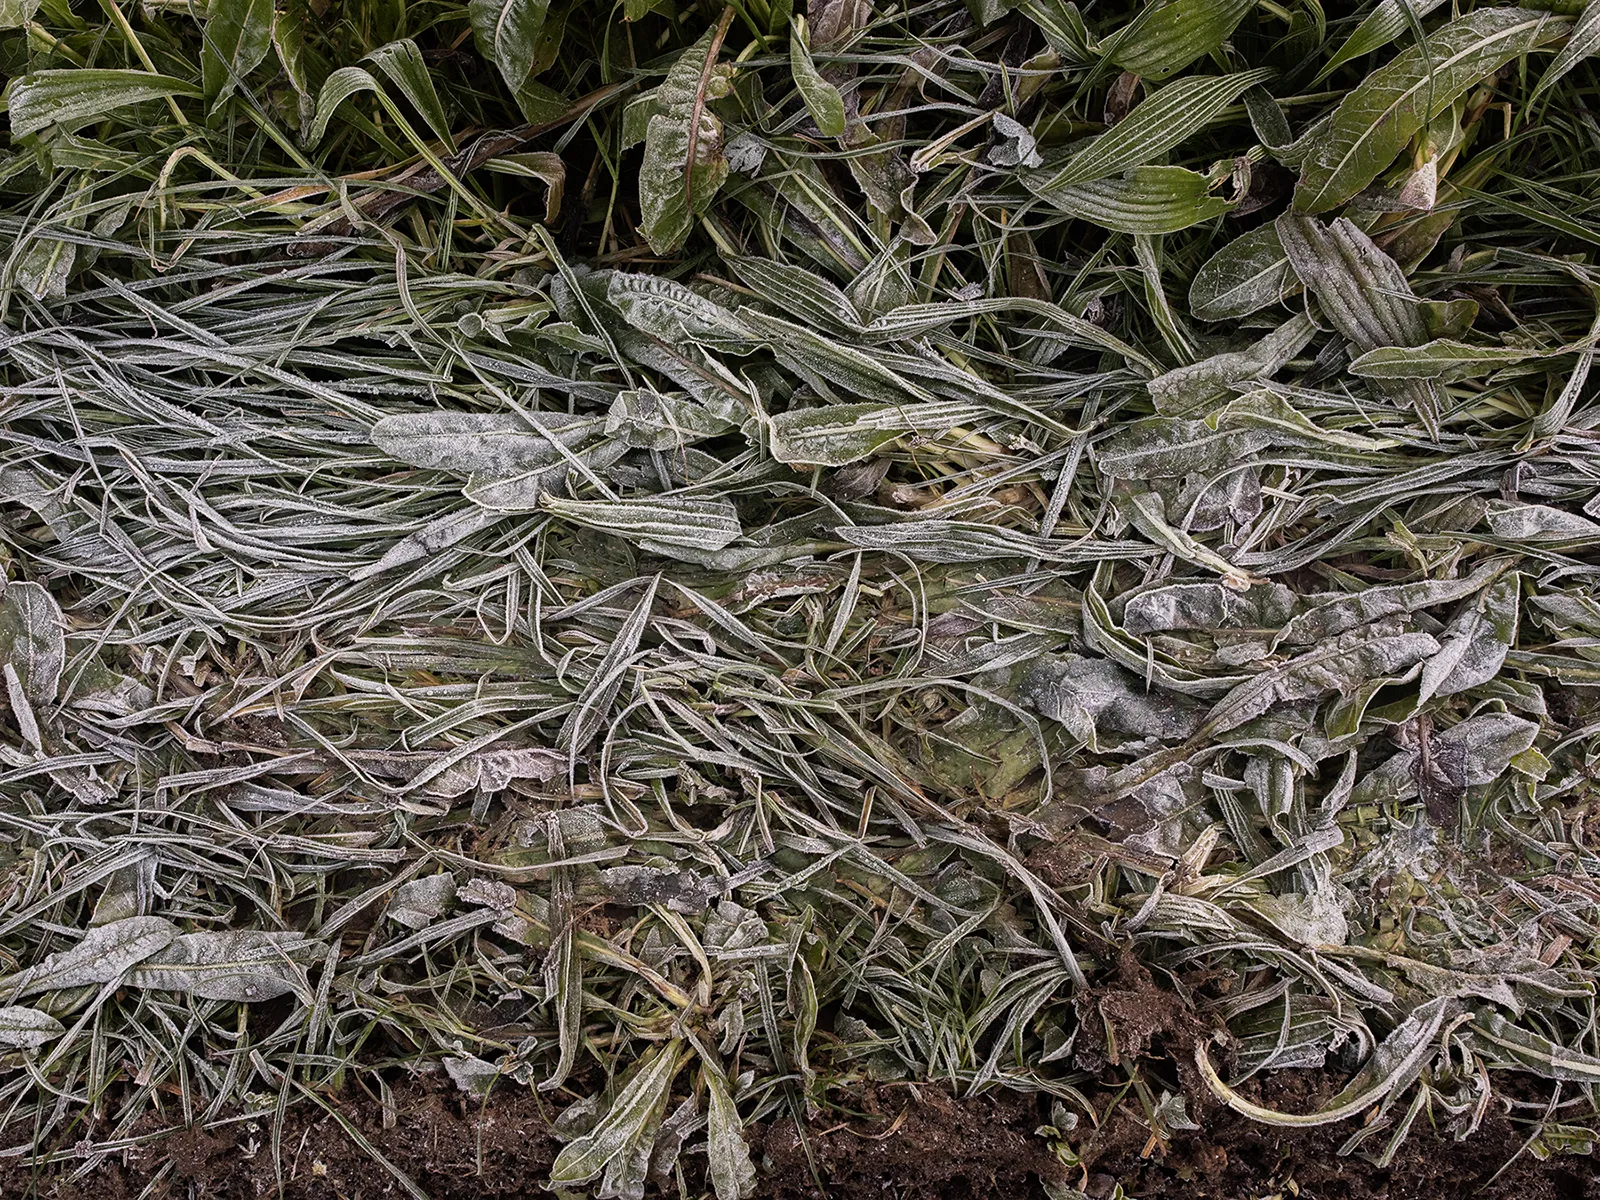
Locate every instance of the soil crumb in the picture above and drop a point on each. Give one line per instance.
(894, 1141)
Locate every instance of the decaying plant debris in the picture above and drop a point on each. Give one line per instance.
(695, 563)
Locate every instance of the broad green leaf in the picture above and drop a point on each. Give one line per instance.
(490, 445)
(1248, 274)
(1163, 121)
(1340, 615)
(1584, 43)
(646, 1092)
(247, 966)
(14, 14)
(71, 97)
(289, 39)
(1474, 645)
(33, 639)
(660, 523)
(1150, 200)
(238, 35)
(401, 62)
(1165, 38)
(1337, 666)
(27, 1028)
(1363, 293)
(1063, 27)
(336, 89)
(829, 364)
(1375, 121)
(1382, 25)
(666, 309)
(1198, 387)
(1443, 359)
(1287, 426)
(521, 38)
(46, 267)
(1162, 446)
(836, 434)
(645, 419)
(733, 1175)
(672, 190)
(821, 98)
(103, 955)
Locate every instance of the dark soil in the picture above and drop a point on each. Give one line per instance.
(903, 1143)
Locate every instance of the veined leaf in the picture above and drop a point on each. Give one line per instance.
(1444, 359)
(836, 434)
(1245, 276)
(401, 62)
(27, 1028)
(660, 523)
(491, 445)
(1375, 121)
(238, 35)
(241, 965)
(733, 1175)
(1165, 38)
(71, 97)
(1382, 25)
(33, 639)
(1150, 200)
(586, 1157)
(1474, 645)
(521, 39)
(104, 954)
(1163, 121)
(1063, 27)
(821, 98)
(667, 177)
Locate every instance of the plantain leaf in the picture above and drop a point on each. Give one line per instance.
(246, 966)
(1163, 121)
(1248, 274)
(1381, 26)
(103, 955)
(672, 189)
(401, 62)
(1443, 359)
(1376, 120)
(821, 98)
(627, 1118)
(1165, 38)
(71, 97)
(238, 35)
(1149, 200)
(27, 1028)
(661, 523)
(733, 1175)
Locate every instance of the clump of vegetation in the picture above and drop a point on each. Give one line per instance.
(697, 559)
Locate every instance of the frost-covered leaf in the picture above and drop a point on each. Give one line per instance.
(238, 35)
(27, 1028)
(69, 98)
(33, 639)
(244, 965)
(1164, 120)
(1376, 120)
(1165, 38)
(105, 953)
(673, 190)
